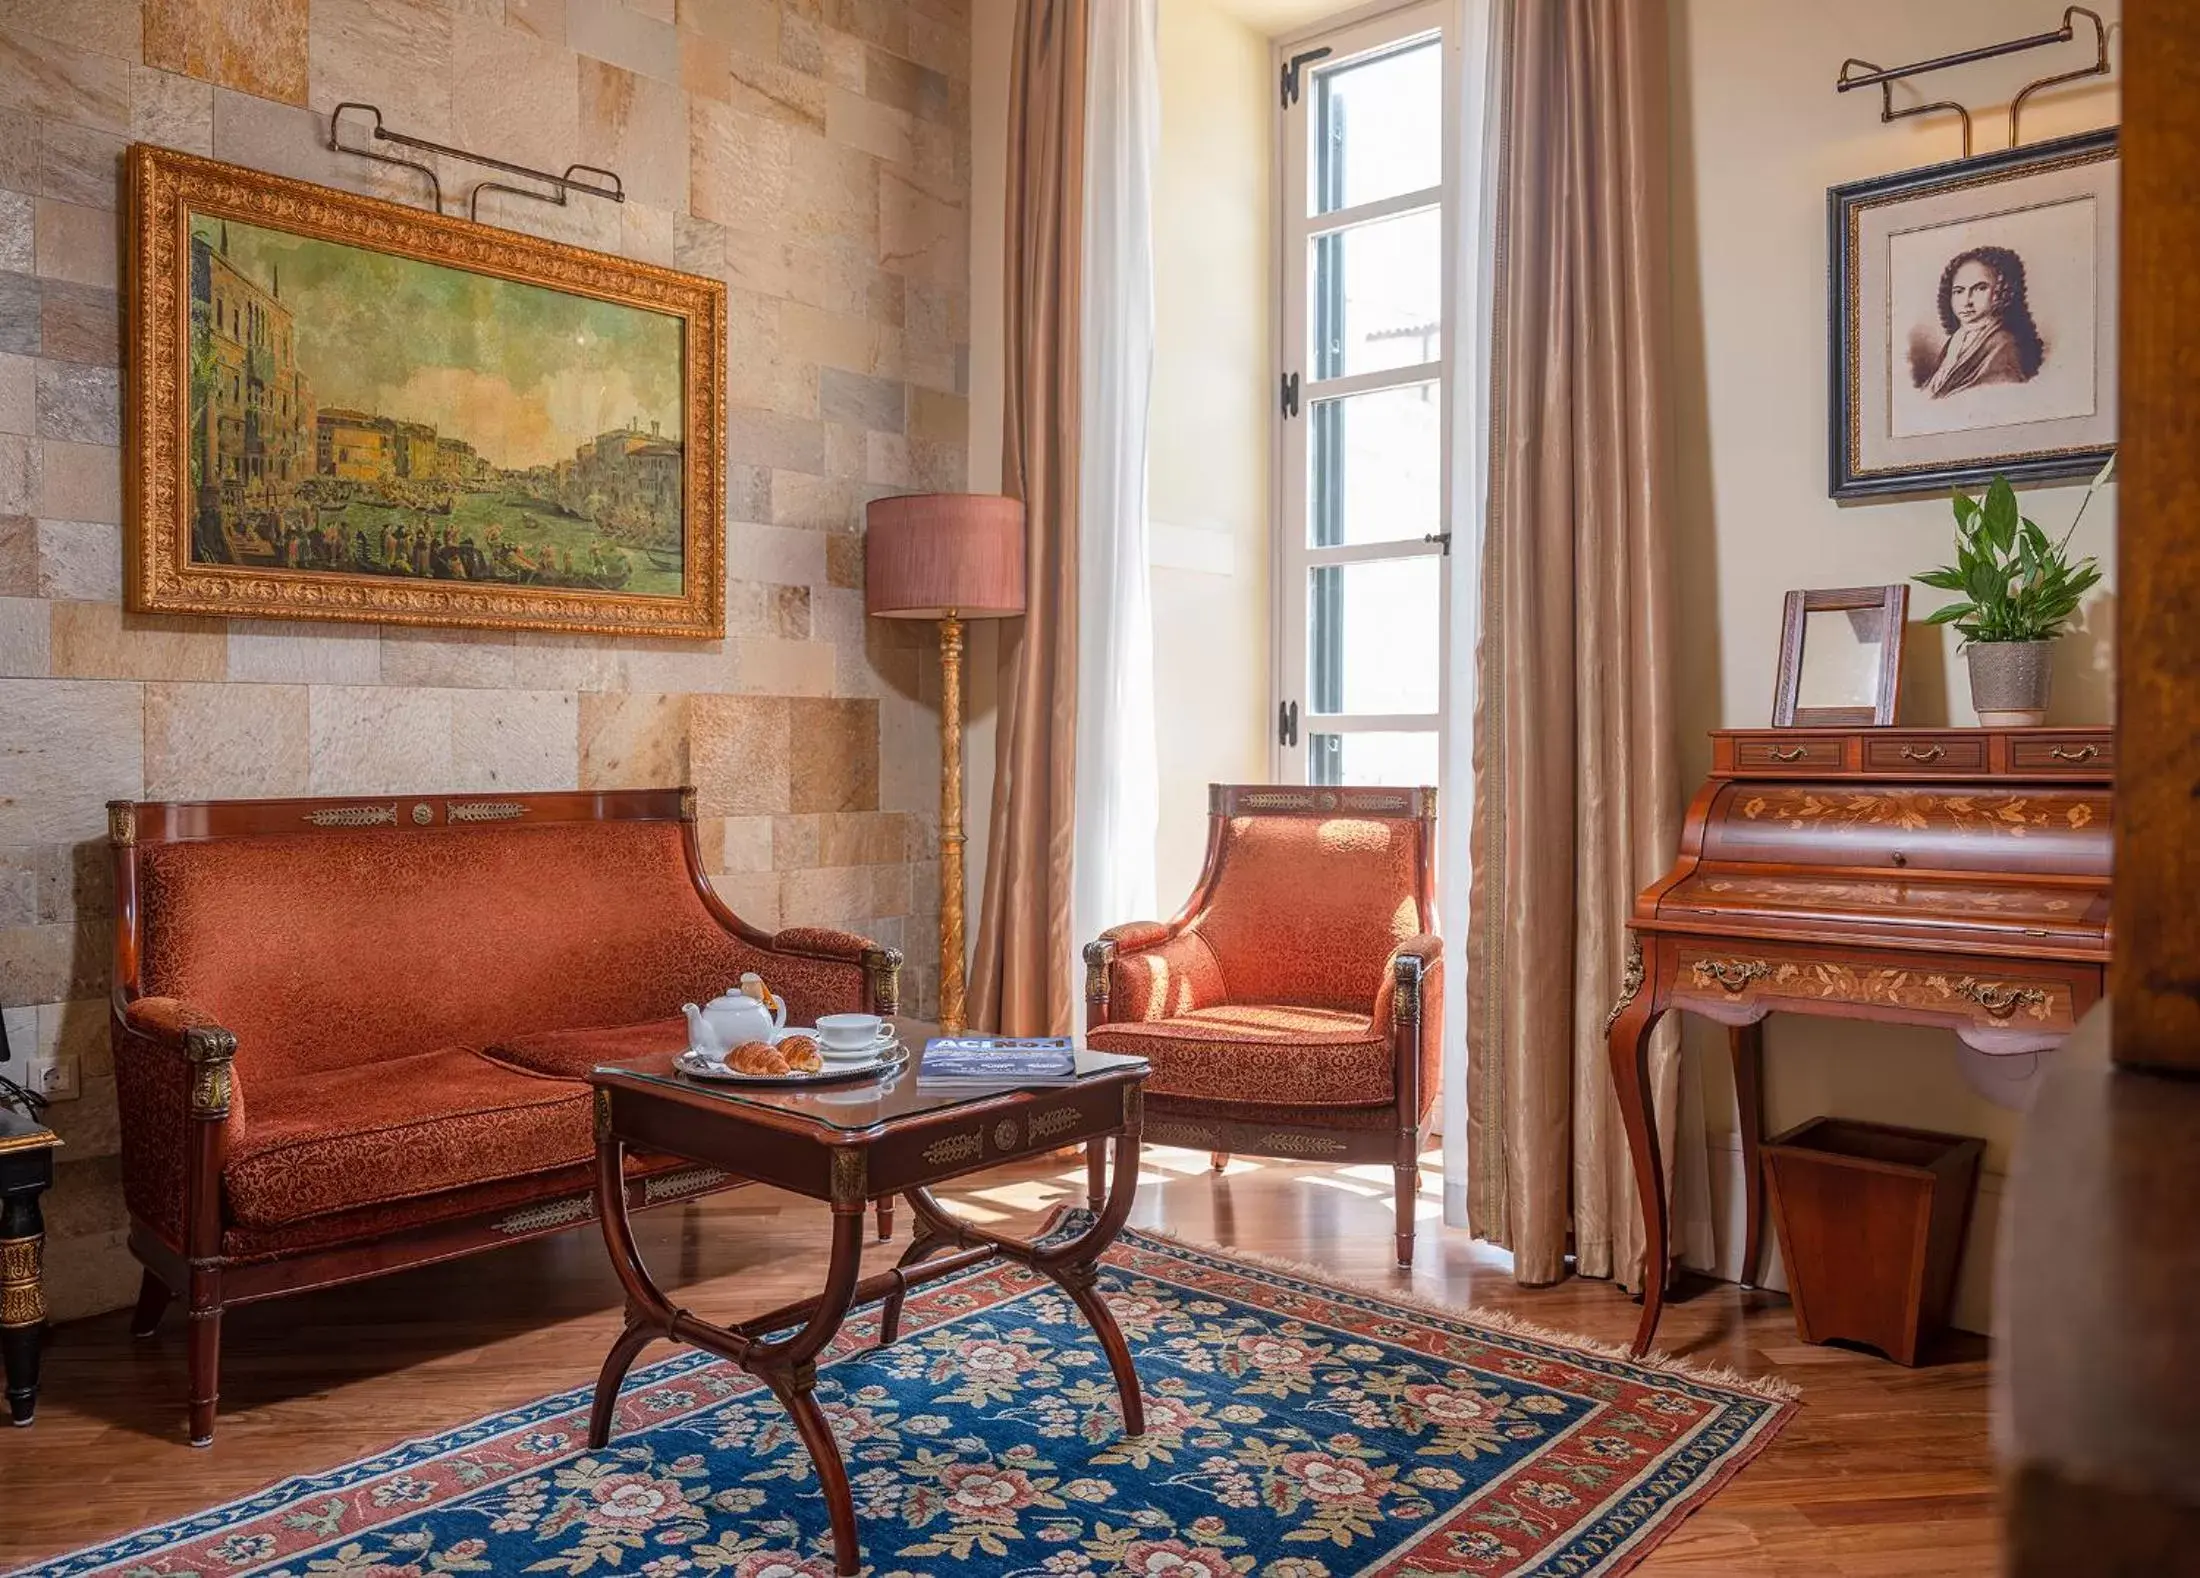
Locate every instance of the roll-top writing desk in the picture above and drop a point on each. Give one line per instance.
(1950, 877)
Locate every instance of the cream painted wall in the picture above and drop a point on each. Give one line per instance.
(1758, 136)
(1210, 453)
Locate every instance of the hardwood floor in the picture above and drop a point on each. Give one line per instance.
(1885, 1471)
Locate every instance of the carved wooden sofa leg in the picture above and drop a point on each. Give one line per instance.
(205, 1355)
(1218, 1160)
(1096, 1173)
(152, 1303)
(1408, 1177)
(885, 1219)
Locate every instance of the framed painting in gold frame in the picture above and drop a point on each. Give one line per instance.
(343, 408)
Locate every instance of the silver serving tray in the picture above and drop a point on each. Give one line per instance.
(706, 1066)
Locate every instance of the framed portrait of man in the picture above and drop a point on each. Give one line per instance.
(1973, 320)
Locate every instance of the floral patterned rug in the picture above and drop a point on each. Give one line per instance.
(1294, 1430)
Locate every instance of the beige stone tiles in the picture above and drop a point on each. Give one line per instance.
(632, 740)
(60, 559)
(395, 54)
(611, 31)
(18, 395)
(542, 18)
(213, 742)
(533, 114)
(175, 111)
(637, 125)
(259, 47)
(62, 81)
(276, 652)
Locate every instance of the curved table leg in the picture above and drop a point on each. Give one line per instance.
(787, 1365)
(617, 1362)
(1072, 1265)
(1627, 1045)
(1746, 1045)
(920, 1248)
(796, 1392)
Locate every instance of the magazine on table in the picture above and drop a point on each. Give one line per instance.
(997, 1060)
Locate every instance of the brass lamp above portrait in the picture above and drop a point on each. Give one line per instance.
(950, 557)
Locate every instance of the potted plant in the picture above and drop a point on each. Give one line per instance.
(2019, 591)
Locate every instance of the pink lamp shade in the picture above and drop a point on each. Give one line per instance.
(930, 554)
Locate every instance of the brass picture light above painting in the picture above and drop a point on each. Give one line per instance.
(1841, 657)
(343, 408)
(1974, 320)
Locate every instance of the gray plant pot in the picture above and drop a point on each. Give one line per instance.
(2009, 682)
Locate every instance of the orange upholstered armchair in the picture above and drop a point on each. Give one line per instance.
(1294, 1008)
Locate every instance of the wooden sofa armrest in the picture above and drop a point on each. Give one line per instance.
(1143, 970)
(872, 970)
(1409, 1013)
(177, 1092)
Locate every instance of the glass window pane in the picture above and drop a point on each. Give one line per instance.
(1379, 127)
(1373, 633)
(1378, 295)
(1374, 465)
(1378, 760)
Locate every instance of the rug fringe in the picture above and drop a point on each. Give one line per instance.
(1770, 1388)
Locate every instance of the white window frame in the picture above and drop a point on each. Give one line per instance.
(1364, 33)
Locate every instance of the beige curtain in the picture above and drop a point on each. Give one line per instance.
(1020, 978)
(1576, 802)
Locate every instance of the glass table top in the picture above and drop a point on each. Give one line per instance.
(891, 1096)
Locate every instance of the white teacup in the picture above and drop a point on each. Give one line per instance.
(847, 1033)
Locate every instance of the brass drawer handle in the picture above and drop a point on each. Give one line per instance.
(1998, 999)
(1923, 753)
(1732, 975)
(2084, 753)
(1793, 753)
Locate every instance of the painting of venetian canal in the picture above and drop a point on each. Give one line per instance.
(354, 412)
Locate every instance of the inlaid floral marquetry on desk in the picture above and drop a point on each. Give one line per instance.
(1950, 877)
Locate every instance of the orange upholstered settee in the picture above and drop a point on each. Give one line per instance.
(1295, 1006)
(352, 1035)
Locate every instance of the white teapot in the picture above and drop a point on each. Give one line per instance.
(734, 1019)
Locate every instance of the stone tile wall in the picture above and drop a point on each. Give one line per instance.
(814, 154)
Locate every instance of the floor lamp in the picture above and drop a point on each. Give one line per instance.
(950, 557)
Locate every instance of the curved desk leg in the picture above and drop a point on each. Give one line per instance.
(1746, 1044)
(1627, 1044)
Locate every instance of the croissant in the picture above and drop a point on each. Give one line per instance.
(756, 1057)
(801, 1054)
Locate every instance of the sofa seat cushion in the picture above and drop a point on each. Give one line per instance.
(1281, 1054)
(570, 1054)
(397, 1129)
(516, 1207)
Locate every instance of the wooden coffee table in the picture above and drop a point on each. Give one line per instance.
(850, 1145)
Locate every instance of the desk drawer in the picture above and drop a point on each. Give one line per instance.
(1771, 754)
(2088, 754)
(1986, 998)
(1925, 753)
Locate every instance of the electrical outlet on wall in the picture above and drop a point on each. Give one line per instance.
(35, 1067)
(54, 1078)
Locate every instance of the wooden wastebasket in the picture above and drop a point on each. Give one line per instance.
(1871, 1222)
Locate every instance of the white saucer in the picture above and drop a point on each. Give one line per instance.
(885, 1043)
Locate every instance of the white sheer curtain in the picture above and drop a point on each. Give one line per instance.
(1118, 777)
(1475, 129)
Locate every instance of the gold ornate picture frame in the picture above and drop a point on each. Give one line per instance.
(426, 421)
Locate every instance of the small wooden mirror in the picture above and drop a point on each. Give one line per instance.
(1841, 657)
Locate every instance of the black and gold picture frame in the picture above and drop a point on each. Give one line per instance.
(1973, 320)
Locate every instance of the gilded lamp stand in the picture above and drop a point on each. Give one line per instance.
(950, 557)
